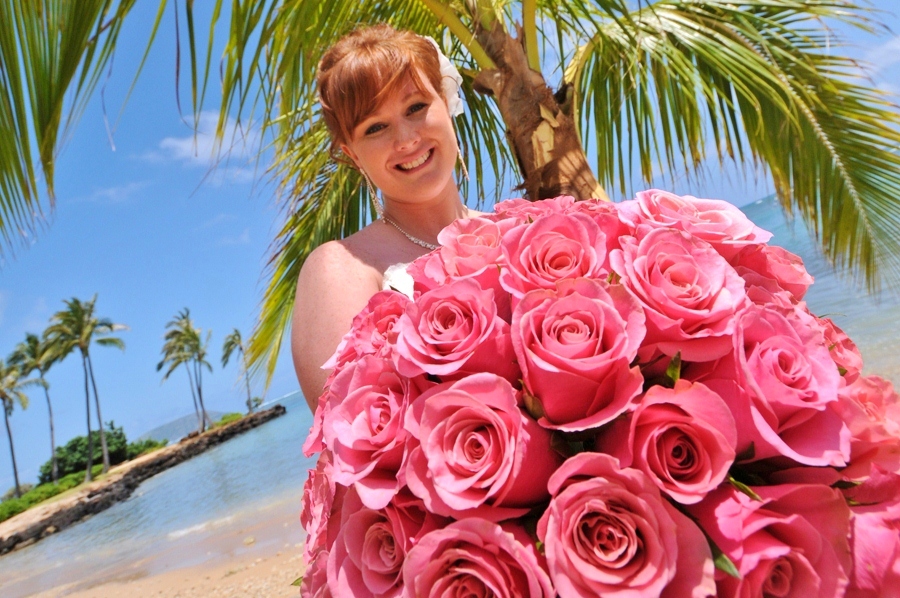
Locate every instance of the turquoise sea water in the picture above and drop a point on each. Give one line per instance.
(224, 488)
(176, 511)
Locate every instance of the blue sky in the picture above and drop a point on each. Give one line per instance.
(150, 229)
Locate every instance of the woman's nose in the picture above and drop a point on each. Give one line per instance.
(407, 136)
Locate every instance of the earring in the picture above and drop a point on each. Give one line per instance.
(462, 162)
(379, 209)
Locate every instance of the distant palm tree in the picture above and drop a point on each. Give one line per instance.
(36, 354)
(234, 342)
(11, 385)
(184, 345)
(78, 327)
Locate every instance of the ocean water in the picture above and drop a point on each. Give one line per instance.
(264, 469)
(869, 320)
(224, 488)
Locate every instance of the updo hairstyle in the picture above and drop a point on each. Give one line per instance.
(359, 72)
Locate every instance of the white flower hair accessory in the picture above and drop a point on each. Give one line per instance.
(451, 81)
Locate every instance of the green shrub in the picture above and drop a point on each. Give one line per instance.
(72, 457)
(43, 492)
(227, 419)
(141, 447)
(11, 493)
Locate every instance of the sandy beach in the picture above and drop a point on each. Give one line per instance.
(257, 556)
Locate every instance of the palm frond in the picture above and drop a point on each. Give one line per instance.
(52, 55)
(754, 82)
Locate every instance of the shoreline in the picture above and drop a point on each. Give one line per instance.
(45, 519)
(258, 554)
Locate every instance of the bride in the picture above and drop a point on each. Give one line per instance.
(388, 98)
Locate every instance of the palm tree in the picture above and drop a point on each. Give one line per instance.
(78, 327)
(232, 343)
(36, 354)
(659, 85)
(184, 345)
(11, 385)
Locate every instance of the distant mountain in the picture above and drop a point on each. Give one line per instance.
(177, 429)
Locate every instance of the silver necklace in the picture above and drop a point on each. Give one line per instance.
(415, 240)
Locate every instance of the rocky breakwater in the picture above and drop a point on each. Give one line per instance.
(89, 499)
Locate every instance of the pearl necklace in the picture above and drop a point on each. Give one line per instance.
(415, 240)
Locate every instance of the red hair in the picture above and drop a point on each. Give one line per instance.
(363, 68)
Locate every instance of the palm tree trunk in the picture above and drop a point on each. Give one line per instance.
(200, 394)
(247, 380)
(194, 397)
(52, 436)
(99, 417)
(541, 128)
(90, 440)
(12, 452)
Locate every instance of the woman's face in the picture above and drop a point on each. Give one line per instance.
(407, 146)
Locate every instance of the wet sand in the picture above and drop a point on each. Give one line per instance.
(254, 556)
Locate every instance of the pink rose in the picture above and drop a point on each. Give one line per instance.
(522, 210)
(470, 248)
(843, 351)
(372, 330)
(454, 330)
(606, 215)
(474, 447)
(689, 292)
(876, 551)
(608, 532)
(364, 429)
(781, 386)
(871, 410)
(315, 578)
(552, 248)
(683, 439)
(776, 264)
(715, 221)
(575, 345)
(474, 557)
(792, 543)
(318, 503)
(370, 549)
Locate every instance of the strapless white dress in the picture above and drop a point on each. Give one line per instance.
(398, 279)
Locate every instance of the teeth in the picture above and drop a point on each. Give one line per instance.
(417, 162)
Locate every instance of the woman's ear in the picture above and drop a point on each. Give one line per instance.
(350, 153)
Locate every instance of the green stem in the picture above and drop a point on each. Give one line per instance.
(449, 18)
(529, 27)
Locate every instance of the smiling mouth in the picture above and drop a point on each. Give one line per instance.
(417, 162)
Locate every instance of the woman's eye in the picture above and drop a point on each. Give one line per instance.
(417, 107)
(374, 129)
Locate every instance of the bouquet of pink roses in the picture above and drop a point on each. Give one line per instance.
(596, 399)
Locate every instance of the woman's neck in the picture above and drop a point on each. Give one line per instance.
(424, 220)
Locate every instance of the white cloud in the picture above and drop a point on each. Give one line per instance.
(242, 239)
(884, 56)
(217, 220)
(200, 150)
(115, 194)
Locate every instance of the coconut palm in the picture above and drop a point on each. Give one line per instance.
(184, 345)
(36, 354)
(645, 85)
(11, 385)
(77, 327)
(232, 343)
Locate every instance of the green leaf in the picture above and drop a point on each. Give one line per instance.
(721, 560)
(298, 581)
(742, 487)
(673, 372)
